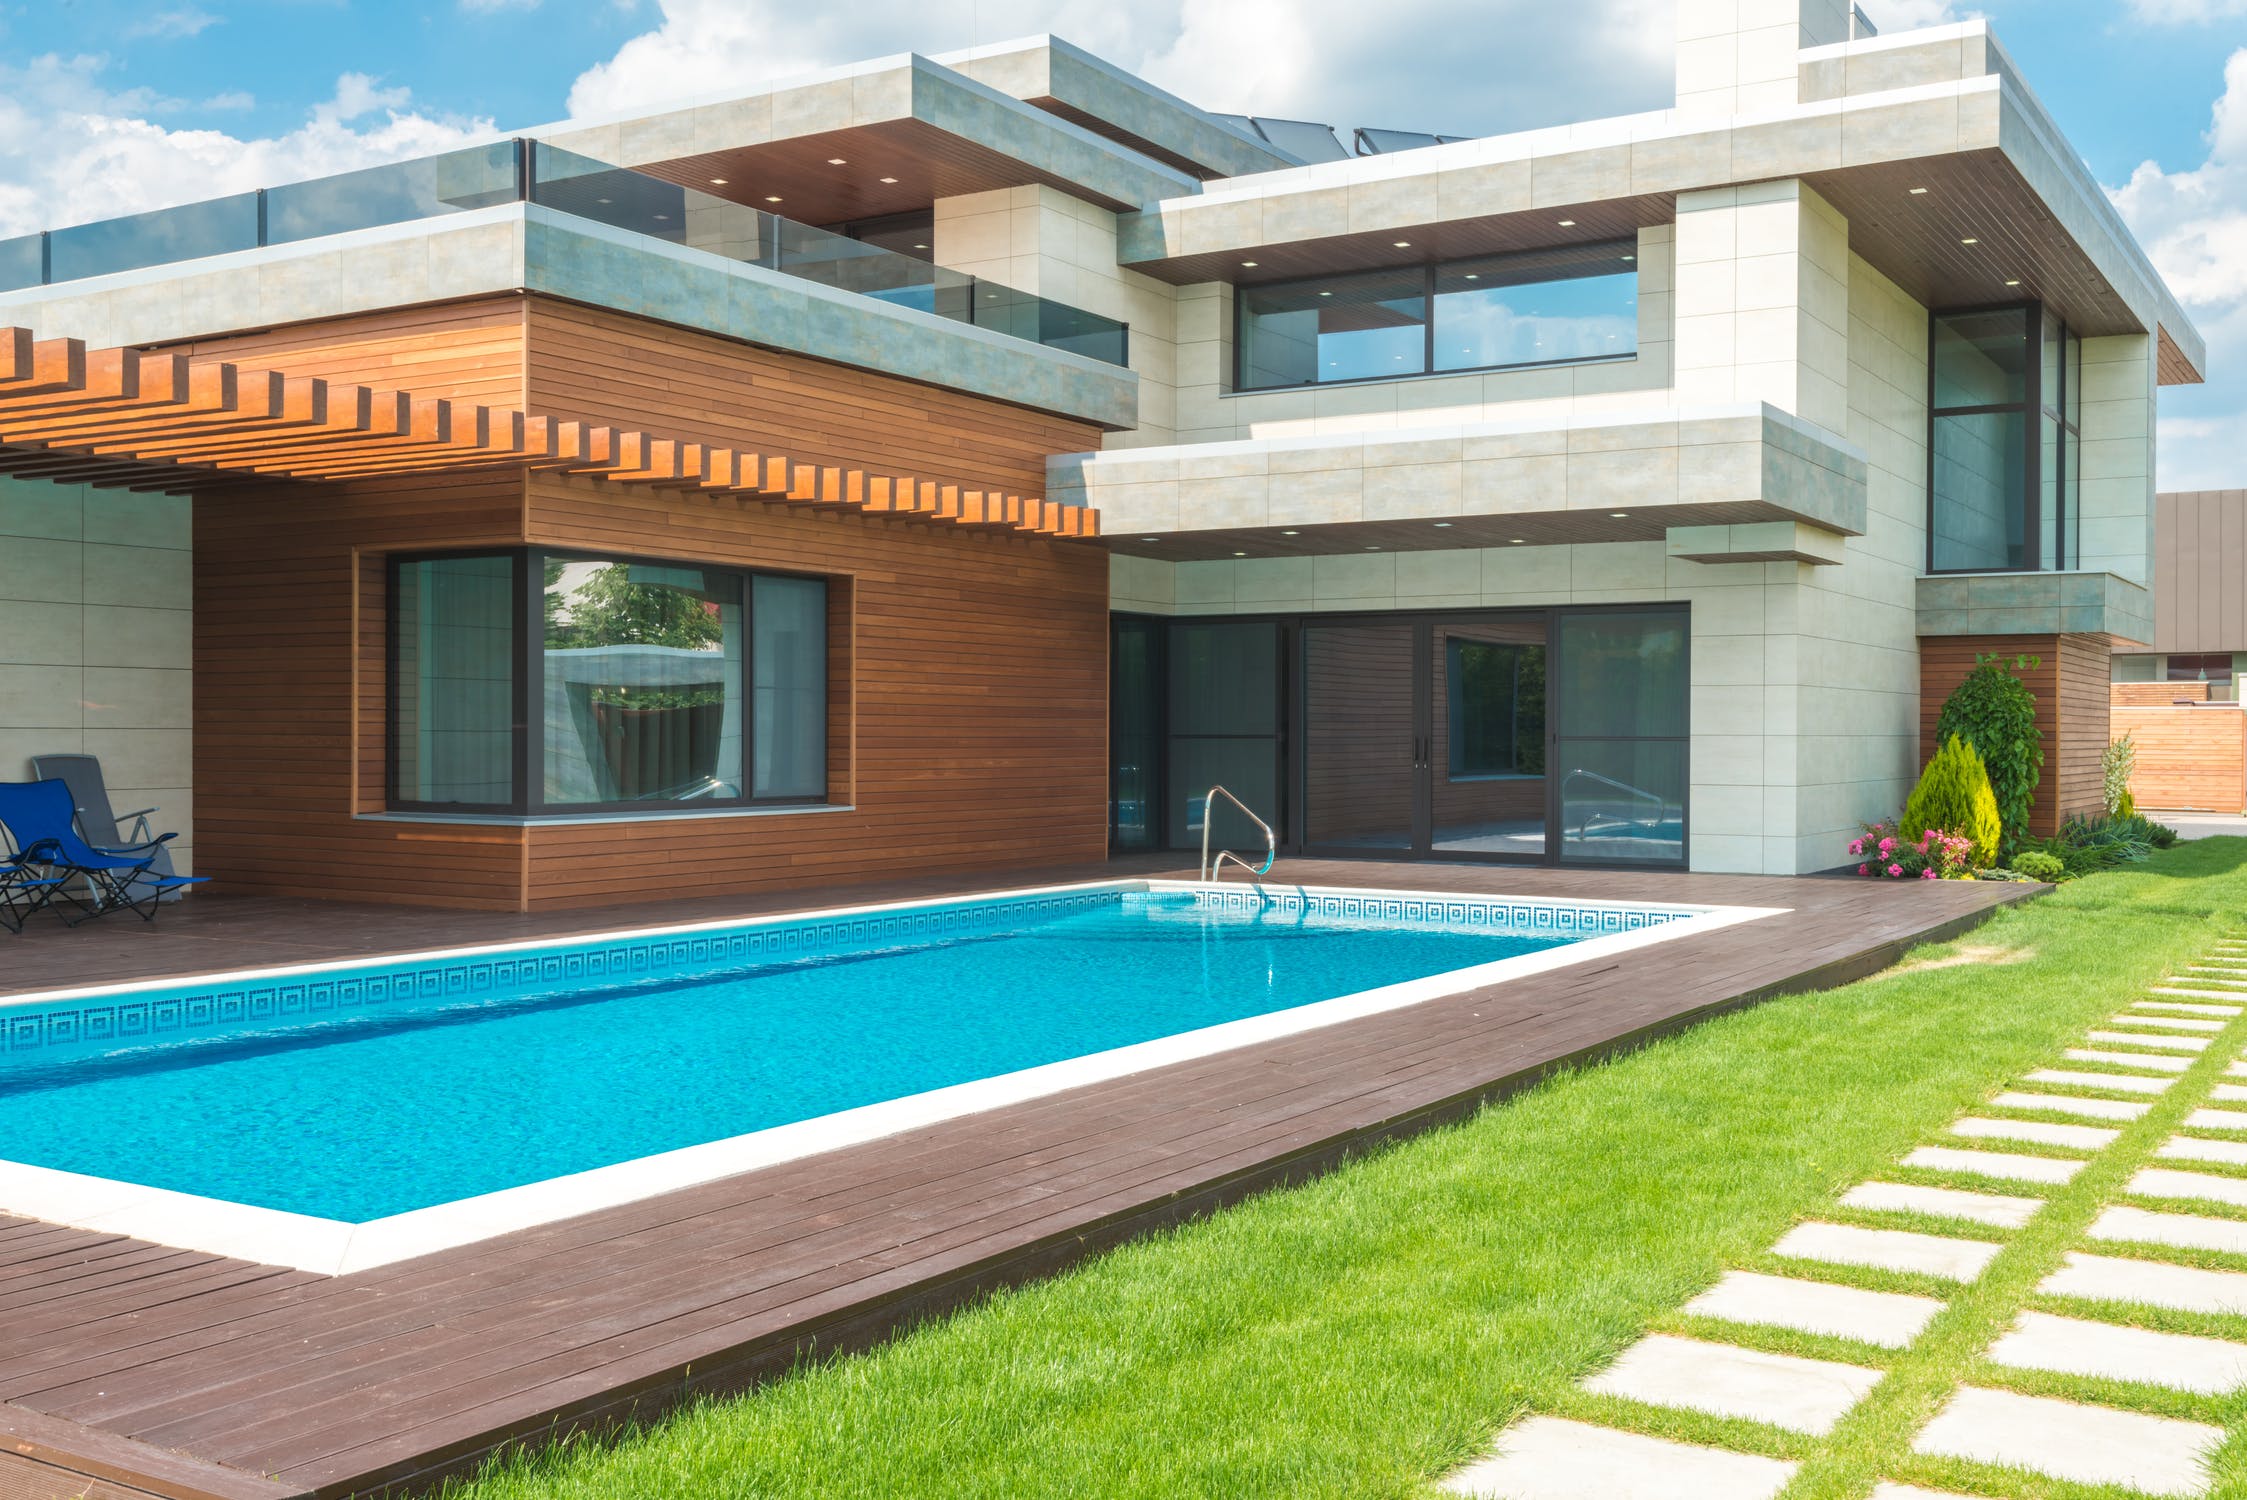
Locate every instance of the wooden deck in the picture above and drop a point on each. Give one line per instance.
(129, 1369)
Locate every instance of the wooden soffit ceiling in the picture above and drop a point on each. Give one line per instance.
(152, 421)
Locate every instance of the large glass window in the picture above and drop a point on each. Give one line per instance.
(1575, 303)
(648, 684)
(1623, 735)
(1224, 723)
(2002, 441)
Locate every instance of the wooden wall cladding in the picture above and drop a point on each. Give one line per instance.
(288, 718)
(2156, 694)
(974, 730)
(2070, 686)
(674, 382)
(469, 351)
(2189, 759)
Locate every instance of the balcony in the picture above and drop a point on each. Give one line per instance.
(526, 171)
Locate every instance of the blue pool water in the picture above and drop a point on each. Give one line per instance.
(376, 1108)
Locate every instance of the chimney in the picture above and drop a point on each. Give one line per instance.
(1738, 56)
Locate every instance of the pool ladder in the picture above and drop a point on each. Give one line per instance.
(1211, 868)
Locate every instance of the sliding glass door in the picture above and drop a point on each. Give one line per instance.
(1361, 746)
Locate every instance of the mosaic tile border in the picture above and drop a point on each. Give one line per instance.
(133, 1019)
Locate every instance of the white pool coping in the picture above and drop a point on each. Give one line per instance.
(334, 1247)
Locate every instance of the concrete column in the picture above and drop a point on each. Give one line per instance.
(2115, 501)
(1037, 240)
(1762, 300)
(1738, 56)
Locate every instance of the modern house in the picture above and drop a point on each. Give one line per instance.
(2177, 694)
(966, 462)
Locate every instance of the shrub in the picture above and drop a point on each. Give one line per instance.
(1994, 711)
(1954, 793)
(2116, 763)
(2039, 866)
(2125, 806)
(1933, 855)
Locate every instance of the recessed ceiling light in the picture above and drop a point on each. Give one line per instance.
(1402, 244)
(772, 197)
(1919, 192)
(2016, 281)
(837, 161)
(1441, 524)
(1326, 294)
(1970, 240)
(918, 246)
(661, 218)
(1474, 275)
(1373, 549)
(1150, 539)
(889, 179)
(604, 200)
(717, 182)
(1517, 541)
(1630, 257)
(1568, 223)
(1240, 554)
(1291, 533)
(1248, 263)
(1619, 515)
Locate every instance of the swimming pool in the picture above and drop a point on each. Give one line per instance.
(345, 1115)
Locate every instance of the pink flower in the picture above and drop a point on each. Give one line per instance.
(1856, 846)
(1927, 874)
(1895, 872)
(1887, 846)
(1864, 869)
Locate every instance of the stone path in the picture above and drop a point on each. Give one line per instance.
(2069, 1385)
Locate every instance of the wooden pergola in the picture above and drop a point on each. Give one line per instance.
(157, 421)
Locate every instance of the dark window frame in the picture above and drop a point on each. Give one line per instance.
(1431, 273)
(526, 658)
(2032, 409)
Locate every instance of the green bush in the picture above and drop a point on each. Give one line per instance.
(1994, 711)
(2116, 763)
(2038, 866)
(2125, 806)
(1954, 795)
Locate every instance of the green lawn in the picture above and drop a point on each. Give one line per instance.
(1365, 1334)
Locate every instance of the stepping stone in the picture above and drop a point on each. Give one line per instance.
(2169, 1023)
(2188, 1006)
(2185, 1231)
(1785, 1390)
(2160, 1182)
(2088, 1444)
(2128, 1060)
(2217, 1119)
(2117, 1082)
(1982, 1208)
(2000, 1164)
(2141, 1039)
(1890, 1250)
(2236, 1070)
(2186, 1148)
(2228, 1093)
(2070, 1346)
(2191, 994)
(1546, 1458)
(1913, 1492)
(2089, 1109)
(2150, 1283)
(1888, 1319)
(2043, 1132)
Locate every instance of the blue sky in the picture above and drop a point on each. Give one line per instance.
(108, 106)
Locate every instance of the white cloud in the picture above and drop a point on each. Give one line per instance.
(488, 7)
(2194, 224)
(2186, 12)
(1406, 64)
(72, 149)
(184, 21)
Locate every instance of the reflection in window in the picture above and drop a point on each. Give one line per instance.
(2003, 434)
(1574, 303)
(790, 632)
(642, 674)
(452, 697)
(1623, 736)
(1494, 697)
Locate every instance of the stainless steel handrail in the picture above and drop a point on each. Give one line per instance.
(1209, 867)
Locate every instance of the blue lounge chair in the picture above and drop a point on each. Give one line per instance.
(26, 884)
(40, 818)
(99, 824)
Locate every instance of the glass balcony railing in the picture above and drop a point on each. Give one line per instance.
(532, 171)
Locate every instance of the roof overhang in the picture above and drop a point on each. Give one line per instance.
(882, 137)
(1527, 482)
(2008, 212)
